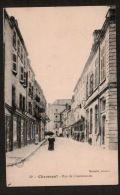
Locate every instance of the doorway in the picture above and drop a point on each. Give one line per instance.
(103, 130)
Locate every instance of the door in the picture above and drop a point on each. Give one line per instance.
(103, 131)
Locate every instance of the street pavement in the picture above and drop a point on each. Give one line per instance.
(70, 163)
(20, 154)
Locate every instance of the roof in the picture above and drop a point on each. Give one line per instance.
(14, 23)
(110, 15)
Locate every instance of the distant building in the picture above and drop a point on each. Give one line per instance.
(53, 112)
(20, 120)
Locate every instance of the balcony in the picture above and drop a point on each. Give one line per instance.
(38, 111)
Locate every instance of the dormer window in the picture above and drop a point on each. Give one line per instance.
(21, 53)
(91, 84)
(87, 88)
(14, 39)
(19, 47)
(24, 59)
(14, 64)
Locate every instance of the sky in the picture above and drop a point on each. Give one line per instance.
(58, 40)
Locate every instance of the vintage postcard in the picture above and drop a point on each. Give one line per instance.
(61, 115)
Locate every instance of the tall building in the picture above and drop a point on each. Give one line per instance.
(53, 112)
(20, 121)
(98, 103)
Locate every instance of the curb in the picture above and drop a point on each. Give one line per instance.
(27, 156)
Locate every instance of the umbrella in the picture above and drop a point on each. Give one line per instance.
(49, 133)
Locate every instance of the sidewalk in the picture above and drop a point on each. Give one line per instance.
(21, 154)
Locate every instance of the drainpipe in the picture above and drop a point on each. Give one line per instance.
(99, 117)
(26, 106)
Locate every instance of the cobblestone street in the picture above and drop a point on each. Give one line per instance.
(71, 163)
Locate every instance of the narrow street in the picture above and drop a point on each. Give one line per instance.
(71, 163)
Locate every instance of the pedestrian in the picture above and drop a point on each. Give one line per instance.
(36, 139)
(51, 143)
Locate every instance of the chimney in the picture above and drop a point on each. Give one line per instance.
(111, 12)
(96, 34)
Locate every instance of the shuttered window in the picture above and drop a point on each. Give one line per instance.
(14, 63)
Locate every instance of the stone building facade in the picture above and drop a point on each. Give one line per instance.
(53, 112)
(20, 121)
(98, 103)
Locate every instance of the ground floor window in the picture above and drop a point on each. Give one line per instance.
(87, 124)
(96, 119)
(91, 125)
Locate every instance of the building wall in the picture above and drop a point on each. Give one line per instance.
(53, 112)
(97, 88)
(107, 89)
(20, 124)
(8, 58)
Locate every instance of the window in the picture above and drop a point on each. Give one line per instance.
(29, 88)
(87, 88)
(56, 116)
(103, 64)
(25, 78)
(56, 125)
(96, 73)
(56, 110)
(96, 119)
(91, 84)
(32, 92)
(21, 102)
(29, 73)
(14, 39)
(22, 75)
(87, 124)
(21, 53)
(24, 59)
(30, 108)
(91, 121)
(103, 105)
(32, 77)
(19, 47)
(13, 96)
(14, 63)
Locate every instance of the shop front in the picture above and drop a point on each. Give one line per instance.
(79, 128)
(7, 129)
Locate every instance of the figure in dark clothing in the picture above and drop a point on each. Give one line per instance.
(51, 143)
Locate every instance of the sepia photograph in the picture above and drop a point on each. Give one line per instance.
(61, 113)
